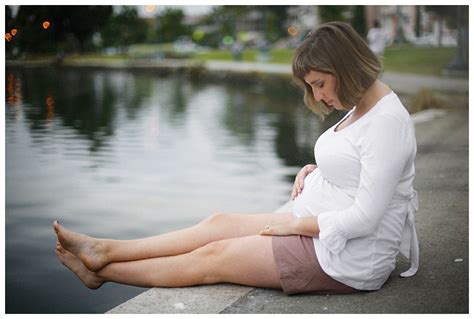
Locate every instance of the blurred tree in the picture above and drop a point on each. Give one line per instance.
(332, 13)
(71, 28)
(358, 20)
(170, 26)
(124, 28)
(8, 27)
(399, 32)
(274, 21)
(456, 17)
(417, 21)
(232, 20)
(8, 18)
(447, 13)
(220, 22)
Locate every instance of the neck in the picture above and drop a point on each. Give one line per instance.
(374, 93)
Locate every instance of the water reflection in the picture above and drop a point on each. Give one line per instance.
(125, 155)
(50, 107)
(13, 93)
(178, 98)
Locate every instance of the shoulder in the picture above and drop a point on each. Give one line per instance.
(390, 120)
(391, 109)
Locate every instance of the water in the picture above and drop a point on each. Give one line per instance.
(127, 155)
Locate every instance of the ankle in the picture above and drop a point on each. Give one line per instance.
(105, 247)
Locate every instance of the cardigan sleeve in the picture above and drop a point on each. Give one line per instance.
(384, 151)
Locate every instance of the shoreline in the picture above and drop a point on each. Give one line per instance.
(248, 73)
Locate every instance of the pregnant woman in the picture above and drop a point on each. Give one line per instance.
(353, 212)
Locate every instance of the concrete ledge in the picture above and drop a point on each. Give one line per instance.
(427, 115)
(199, 299)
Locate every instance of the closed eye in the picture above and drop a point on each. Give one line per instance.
(318, 83)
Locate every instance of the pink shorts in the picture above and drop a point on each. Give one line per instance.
(299, 268)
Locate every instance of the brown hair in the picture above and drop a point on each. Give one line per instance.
(337, 49)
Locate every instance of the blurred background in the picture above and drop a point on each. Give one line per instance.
(250, 33)
(117, 151)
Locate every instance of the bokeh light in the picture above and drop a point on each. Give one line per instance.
(13, 32)
(8, 36)
(46, 25)
(292, 30)
(13, 95)
(198, 35)
(150, 8)
(228, 40)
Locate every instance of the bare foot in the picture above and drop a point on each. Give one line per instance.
(71, 261)
(91, 251)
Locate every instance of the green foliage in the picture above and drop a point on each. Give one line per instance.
(170, 26)
(71, 27)
(225, 19)
(358, 20)
(124, 28)
(274, 17)
(8, 17)
(332, 13)
(450, 14)
(8, 27)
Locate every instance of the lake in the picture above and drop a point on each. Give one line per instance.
(124, 155)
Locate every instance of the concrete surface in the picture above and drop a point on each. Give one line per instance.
(441, 284)
(198, 299)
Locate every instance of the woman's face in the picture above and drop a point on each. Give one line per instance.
(324, 88)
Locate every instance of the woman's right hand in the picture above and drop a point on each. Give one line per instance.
(299, 180)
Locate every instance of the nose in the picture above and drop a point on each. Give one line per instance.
(318, 95)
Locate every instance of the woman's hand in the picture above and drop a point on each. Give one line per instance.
(299, 180)
(279, 230)
(305, 226)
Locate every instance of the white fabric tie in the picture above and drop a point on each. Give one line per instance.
(409, 246)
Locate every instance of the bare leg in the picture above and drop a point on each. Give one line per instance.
(245, 260)
(96, 253)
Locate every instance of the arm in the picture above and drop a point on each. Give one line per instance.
(385, 147)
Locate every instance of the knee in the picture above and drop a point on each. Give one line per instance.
(212, 250)
(208, 261)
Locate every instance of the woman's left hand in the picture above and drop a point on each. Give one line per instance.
(278, 230)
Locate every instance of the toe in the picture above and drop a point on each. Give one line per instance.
(59, 249)
(56, 226)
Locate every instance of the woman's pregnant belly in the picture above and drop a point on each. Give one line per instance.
(319, 196)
